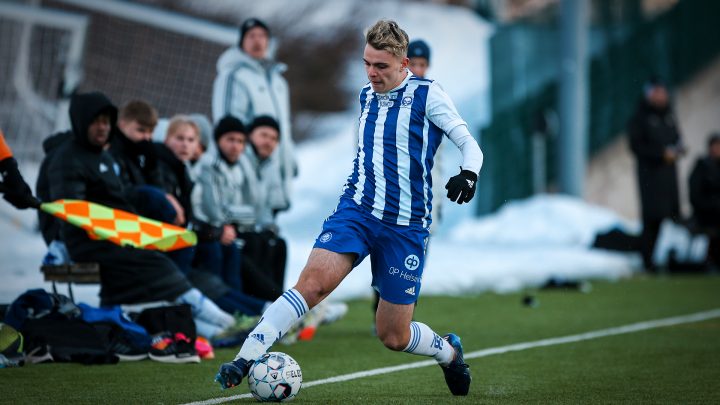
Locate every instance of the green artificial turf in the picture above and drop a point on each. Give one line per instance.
(676, 364)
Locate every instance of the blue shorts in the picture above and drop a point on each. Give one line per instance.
(397, 253)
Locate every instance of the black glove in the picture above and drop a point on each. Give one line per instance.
(461, 188)
(15, 190)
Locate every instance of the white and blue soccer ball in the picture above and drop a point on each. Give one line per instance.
(275, 377)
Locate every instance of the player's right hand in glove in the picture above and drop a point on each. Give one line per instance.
(14, 188)
(461, 188)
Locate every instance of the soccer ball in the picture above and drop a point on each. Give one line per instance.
(275, 377)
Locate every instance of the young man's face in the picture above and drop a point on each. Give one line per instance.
(98, 132)
(264, 140)
(715, 150)
(255, 43)
(384, 70)
(418, 66)
(183, 142)
(232, 145)
(658, 97)
(135, 131)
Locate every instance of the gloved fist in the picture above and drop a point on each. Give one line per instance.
(14, 188)
(461, 188)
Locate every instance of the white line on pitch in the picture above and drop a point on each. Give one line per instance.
(635, 327)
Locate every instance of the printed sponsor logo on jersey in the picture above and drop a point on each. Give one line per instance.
(326, 237)
(410, 291)
(394, 271)
(412, 262)
(259, 337)
(406, 101)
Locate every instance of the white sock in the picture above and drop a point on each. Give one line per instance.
(204, 309)
(280, 316)
(425, 342)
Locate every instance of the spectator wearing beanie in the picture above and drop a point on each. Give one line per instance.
(264, 254)
(249, 84)
(222, 202)
(419, 55)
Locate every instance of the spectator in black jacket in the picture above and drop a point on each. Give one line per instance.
(134, 152)
(83, 170)
(656, 143)
(705, 195)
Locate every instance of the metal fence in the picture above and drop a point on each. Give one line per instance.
(624, 52)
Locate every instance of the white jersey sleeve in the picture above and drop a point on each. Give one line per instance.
(471, 153)
(441, 111)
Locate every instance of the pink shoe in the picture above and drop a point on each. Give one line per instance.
(204, 348)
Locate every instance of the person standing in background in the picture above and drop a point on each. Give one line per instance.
(250, 84)
(705, 196)
(657, 145)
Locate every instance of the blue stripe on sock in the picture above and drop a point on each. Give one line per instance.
(417, 335)
(293, 304)
(299, 302)
(414, 337)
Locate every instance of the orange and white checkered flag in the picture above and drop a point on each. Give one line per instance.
(121, 227)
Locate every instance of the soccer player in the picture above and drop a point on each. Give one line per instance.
(384, 212)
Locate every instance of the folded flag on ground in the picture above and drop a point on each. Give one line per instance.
(121, 227)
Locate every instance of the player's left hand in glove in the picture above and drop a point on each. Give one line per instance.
(461, 188)
(14, 188)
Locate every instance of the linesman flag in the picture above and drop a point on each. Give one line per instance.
(121, 227)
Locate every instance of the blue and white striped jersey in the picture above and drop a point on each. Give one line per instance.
(398, 135)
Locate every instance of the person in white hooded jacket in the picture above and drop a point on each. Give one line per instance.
(250, 84)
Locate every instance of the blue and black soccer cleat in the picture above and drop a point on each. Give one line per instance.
(232, 373)
(457, 373)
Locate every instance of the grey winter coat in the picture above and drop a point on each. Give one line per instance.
(222, 195)
(247, 88)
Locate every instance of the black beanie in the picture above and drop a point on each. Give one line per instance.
(227, 124)
(249, 24)
(418, 49)
(265, 121)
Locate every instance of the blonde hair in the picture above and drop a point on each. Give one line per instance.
(181, 120)
(386, 35)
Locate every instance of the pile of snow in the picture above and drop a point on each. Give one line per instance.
(544, 220)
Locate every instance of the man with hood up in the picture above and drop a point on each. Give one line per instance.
(82, 169)
(250, 84)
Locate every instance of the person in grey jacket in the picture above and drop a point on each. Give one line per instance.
(220, 202)
(250, 84)
(265, 251)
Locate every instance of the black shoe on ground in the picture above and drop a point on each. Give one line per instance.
(457, 373)
(175, 349)
(231, 374)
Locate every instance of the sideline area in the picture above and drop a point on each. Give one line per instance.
(619, 330)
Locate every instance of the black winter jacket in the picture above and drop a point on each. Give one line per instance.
(651, 131)
(84, 171)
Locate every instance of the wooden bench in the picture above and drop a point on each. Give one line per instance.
(78, 273)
